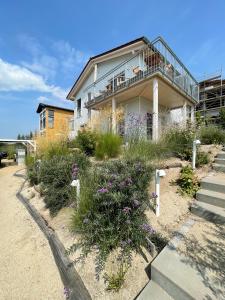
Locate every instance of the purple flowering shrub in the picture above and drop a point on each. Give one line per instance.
(111, 215)
(56, 175)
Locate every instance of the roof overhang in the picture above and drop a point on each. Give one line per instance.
(42, 106)
(113, 53)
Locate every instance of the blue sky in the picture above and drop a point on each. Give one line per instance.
(44, 44)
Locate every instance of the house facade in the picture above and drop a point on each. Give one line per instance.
(144, 79)
(54, 121)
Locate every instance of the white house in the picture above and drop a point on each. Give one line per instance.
(145, 78)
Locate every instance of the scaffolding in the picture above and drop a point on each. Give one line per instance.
(211, 96)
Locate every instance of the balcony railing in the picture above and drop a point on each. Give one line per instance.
(156, 57)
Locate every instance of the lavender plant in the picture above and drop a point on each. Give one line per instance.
(111, 215)
(56, 176)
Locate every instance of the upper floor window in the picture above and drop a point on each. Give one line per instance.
(116, 81)
(50, 118)
(42, 120)
(79, 108)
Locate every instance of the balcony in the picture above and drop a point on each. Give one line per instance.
(155, 58)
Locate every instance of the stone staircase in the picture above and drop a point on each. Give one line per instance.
(171, 276)
(219, 164)
(210, 202)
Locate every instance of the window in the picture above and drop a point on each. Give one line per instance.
(116, 81)
(50, 118)
(149, 125)
(189, 111)
(42, 120)
(79, 108)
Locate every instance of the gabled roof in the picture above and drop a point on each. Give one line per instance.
(91, 59)
(42, 106)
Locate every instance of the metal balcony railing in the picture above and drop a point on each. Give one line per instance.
(155, 57)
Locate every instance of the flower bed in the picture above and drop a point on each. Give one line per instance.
(111, 216)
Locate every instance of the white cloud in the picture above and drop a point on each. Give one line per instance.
(30, 44)
(17, 78)
(44, 65)
(70, 58)
(51, 57)
(49, 100)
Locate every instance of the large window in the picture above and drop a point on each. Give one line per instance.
(116, 81)
(50, 118)
(42, 120)
(79, 108)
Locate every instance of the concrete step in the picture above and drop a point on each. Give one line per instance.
(213, 184)
(221, 154)
(219, 167)
(211, 197)
(175, 274)
(209, 212)
(154, 292)
(220, 161)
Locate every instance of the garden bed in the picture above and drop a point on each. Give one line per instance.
(174, 211)
(115, 218)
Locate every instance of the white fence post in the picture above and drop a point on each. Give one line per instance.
(76, 183)
(158, 174)
(194, 152)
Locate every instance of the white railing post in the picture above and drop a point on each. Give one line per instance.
(76, 183)
(194, 152)
(158, 174)
(155, 120)
(113, 115)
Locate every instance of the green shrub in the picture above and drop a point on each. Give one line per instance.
(33, 167)
(116, 280)
(86, 141)
(56, 149)
(179, 141)
(56, 176)
(199, 119)
(11, 151)
(222, 117)
(188, 182)
(202, 158)
(30, 160)
(108, 146)
(145, 149)
(111, 215)
(212, 135)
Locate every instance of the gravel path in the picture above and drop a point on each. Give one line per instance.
(27, 267)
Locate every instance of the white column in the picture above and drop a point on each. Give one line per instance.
(155, 123)
(113, 115)
(185, 113)
(192, 114)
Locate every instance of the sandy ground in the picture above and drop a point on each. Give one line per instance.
(27, 267)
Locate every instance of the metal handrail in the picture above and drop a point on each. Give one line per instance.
(156, 56)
